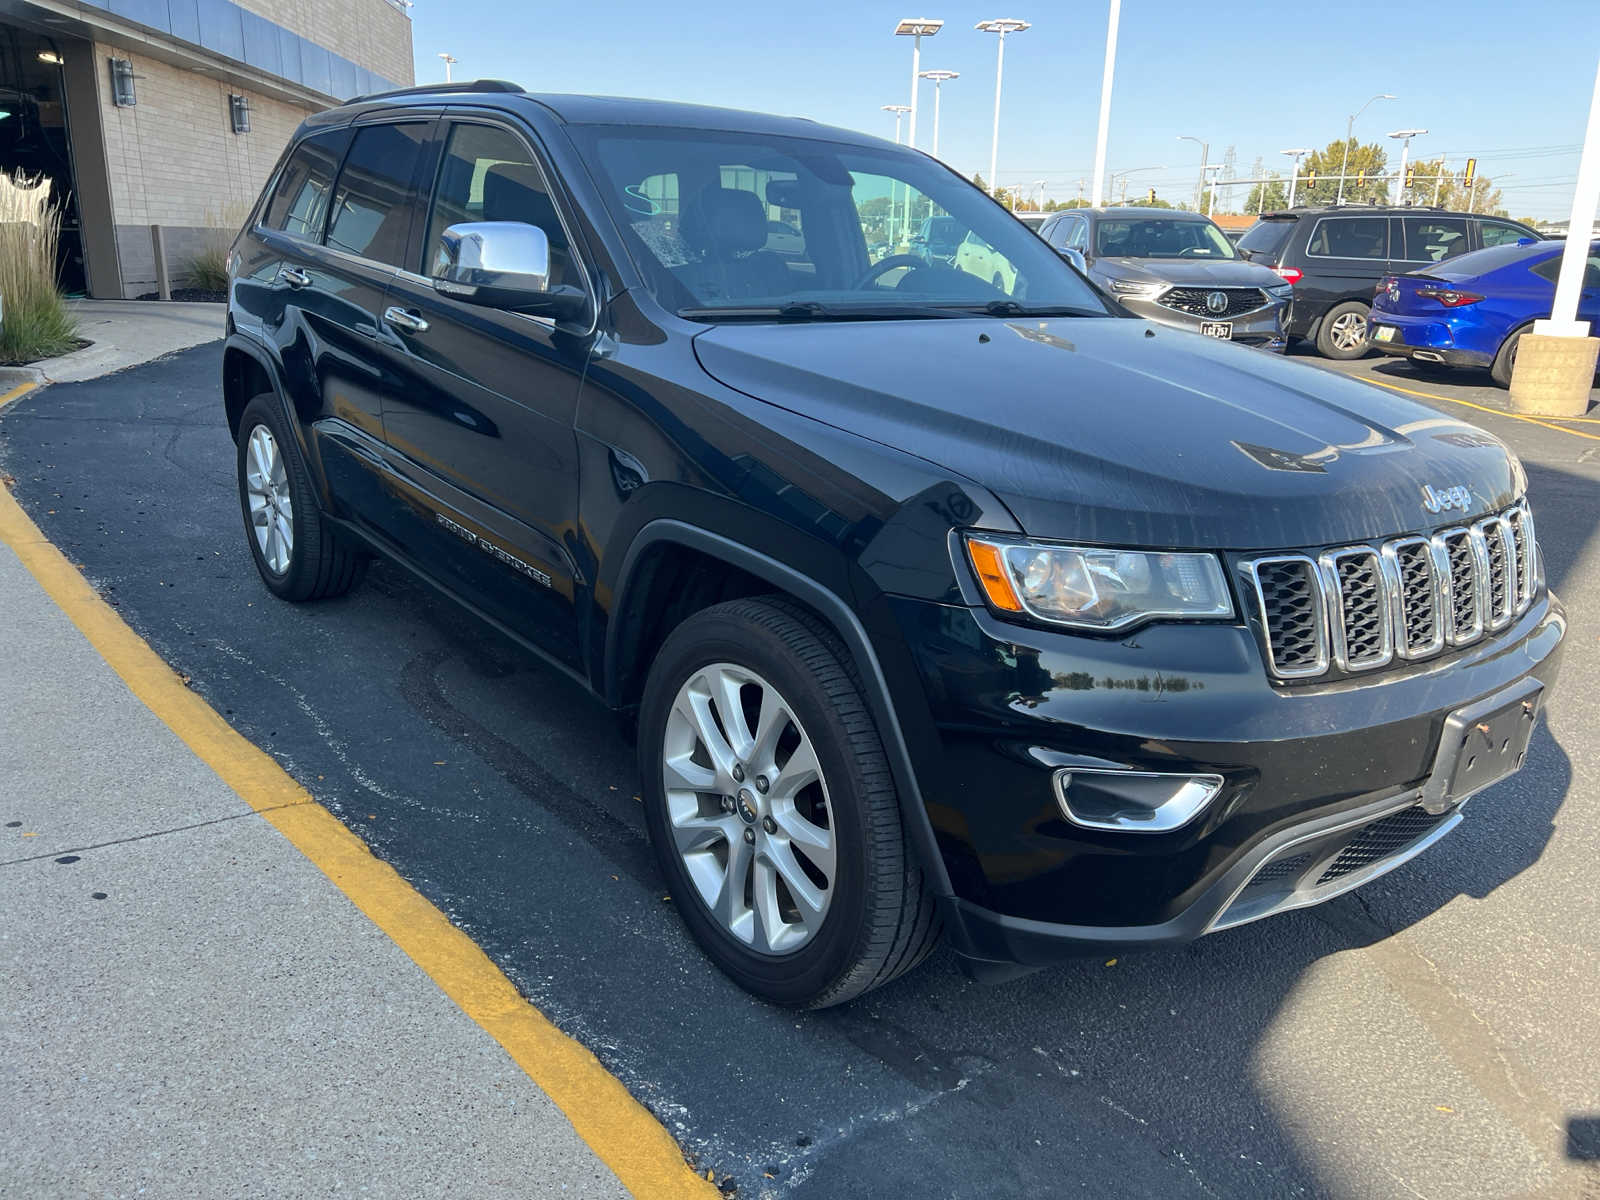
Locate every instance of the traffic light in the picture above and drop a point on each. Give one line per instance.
(1361, 178)
(1151, 198)
(1470, 173)
(1411, 174)
(1311, 178)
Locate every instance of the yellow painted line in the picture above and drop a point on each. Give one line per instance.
(619, 1129)
(1499, 412)
(16, 393)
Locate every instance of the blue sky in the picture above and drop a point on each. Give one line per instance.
(1486, 78)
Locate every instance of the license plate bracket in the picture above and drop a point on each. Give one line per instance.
(1482, 744)
(1222, 330)
(1383, 333)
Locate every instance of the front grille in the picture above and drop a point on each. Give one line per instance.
(1196, 301)
(1358, 607)
(1381, 839)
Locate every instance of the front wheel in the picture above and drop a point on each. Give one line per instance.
(772, 810)
(1343, 332)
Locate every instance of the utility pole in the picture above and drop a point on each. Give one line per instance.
(1001, 26)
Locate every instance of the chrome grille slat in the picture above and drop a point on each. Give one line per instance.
(1360, 607)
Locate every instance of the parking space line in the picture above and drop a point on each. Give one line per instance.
(1499, 412)
(621, 1131)
(17, 393)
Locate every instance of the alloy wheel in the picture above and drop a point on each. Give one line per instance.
(748, 808)
(1349, 331)
(271, 505)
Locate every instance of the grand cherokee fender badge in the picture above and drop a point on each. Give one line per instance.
(493, 551)
(1438, 500)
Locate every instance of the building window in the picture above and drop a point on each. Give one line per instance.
(239, 112)
(122, 94)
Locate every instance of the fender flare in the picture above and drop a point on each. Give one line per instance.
(265, 360)
(845, 624)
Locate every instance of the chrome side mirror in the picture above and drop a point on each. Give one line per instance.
(503, 264)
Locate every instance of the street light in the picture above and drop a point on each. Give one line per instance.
(916, 28)
(938, 78)
(899, 111)
(1105, 98)
(1349, 132)
(1297, 155)
(1205, 155)
(449, 61)
(1002, 26)
(1216, 173)
(1405, 136)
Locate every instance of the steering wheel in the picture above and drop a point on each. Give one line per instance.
(884, 266)
(1194, 251)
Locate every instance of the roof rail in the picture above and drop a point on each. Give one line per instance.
(427, 89)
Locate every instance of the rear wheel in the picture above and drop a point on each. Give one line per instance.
(1506, 360)
(772, 810)
(1343, 332)
(298, 556)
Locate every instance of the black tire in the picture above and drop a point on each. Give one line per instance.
(1506, 359)
(321, 565)
(1331, 337)
(881, 920)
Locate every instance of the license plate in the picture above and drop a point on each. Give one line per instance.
(1217, 329)
(1482, 744)
(1383, 333)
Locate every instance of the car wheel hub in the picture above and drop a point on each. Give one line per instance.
(270, 503)
(762, 858)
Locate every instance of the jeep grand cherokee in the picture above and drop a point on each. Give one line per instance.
(940, 608)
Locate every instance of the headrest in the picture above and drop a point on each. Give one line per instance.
(724, 221)
(515, 192)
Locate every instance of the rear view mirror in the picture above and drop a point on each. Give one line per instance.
(503, 264)
(783, 193)
(1075, 257)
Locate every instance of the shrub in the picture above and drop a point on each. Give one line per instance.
(207, 269)
(34, 321)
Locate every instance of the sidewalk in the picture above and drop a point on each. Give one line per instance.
(189, 1006)
(123, 333)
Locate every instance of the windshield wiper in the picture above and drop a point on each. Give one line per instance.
(1011, 308)
(811, 310)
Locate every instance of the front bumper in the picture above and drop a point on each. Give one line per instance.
(1313, 766)
(1262, 328)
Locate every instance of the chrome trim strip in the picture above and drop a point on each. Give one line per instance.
(1441, 553)
(1483, 532)
(1320, 606)
(1192, 794)
(1333, 590)
(1391, 559)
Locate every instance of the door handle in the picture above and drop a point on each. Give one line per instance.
(294, 277)
(401, 319)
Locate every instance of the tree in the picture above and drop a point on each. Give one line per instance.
(1264, 197)
(1059, 205)
(1146, 202)
(1366, 159)
(1434, 183)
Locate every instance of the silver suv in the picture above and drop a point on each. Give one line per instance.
(1176, 268)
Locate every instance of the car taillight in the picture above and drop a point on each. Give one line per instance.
(1448, 297)
(1292, 274)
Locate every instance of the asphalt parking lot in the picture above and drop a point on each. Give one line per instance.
(1432, 1035)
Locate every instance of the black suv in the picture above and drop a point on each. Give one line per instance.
(1336, 257)
(937, 607)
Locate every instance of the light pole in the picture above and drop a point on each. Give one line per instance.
(1294, 179)
(1349, 132)
(916, 28)
(1105, 98)
(449, 61)
(1216, 172)
(1405, 136)
(938, 78)
(1002, 26)
(899, 111)
(1205, 156)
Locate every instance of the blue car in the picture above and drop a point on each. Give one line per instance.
(1471, 311)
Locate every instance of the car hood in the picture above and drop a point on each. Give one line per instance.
(1122, 432)
(1233, 272)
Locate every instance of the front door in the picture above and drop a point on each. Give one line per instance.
(482, 430)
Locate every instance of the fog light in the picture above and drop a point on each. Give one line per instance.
(1133, 801)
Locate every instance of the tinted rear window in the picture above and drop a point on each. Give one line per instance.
(1266, 238)
(300, 202)
(373, 202)
(1350, 237)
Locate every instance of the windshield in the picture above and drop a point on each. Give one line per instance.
(1157, 237)
(752, 225)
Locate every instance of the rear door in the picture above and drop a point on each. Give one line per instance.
(1428, 240)
(338, 355)
(1344, 258)
(481, 431)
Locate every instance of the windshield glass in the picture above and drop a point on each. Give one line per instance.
(746, 223)
(1157, 237)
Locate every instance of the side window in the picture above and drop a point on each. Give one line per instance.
(1078, 234)
(373, 200)
(1434, 239)
(1498, 233)
(300, 203)
(1350, 237)
(1550, 269)
(488, 175)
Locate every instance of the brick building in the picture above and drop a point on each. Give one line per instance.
(173, 112)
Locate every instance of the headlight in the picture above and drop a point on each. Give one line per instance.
(1133, 287)
(1280, 291)
(1093, 588)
